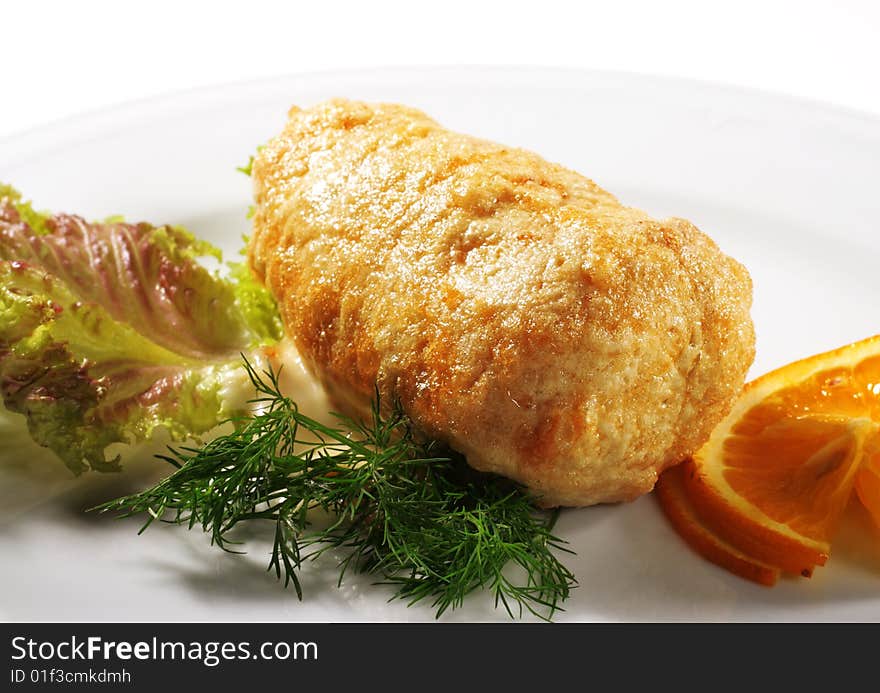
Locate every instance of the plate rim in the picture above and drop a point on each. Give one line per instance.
(15, 147)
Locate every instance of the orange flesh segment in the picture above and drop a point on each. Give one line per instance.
(795, 454)
(749, 536)
(776, 475)
(678, 509)
(868, 487)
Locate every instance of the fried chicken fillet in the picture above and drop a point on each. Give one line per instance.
(518, 311)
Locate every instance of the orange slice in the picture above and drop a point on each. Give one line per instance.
(681, 514)
(776, 474)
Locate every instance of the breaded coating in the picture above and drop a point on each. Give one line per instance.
(518, 311)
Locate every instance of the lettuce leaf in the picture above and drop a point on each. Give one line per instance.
(110, 331)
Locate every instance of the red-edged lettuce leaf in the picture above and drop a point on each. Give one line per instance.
(110, 331)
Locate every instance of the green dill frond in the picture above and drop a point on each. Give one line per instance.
(409, 512)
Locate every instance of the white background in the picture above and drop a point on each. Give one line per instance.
(64, 58)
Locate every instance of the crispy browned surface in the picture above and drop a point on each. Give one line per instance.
(518, 311)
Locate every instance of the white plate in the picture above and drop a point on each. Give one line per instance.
(787, 187)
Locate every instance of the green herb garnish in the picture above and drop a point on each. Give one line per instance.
(247, 168)
(409, 512)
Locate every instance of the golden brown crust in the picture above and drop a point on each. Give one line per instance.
(518, 311)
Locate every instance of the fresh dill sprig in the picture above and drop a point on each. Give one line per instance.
(409, 512)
